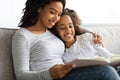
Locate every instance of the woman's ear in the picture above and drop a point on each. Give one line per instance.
(39, 10)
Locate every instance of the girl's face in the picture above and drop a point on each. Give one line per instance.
(65, 29)
(50, 14)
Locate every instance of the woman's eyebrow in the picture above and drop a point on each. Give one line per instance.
(54, 9)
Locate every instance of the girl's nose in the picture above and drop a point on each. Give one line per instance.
(68, 29)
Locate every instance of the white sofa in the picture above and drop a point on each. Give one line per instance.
(110, 37)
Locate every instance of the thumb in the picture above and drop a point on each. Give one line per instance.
(68, 66)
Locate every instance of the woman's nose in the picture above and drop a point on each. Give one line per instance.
(56, 18)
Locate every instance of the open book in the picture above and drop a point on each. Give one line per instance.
(83, 62)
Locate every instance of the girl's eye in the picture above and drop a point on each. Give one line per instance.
(62, 28)
(71, 26)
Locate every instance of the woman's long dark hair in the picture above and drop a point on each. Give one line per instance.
(30, 15)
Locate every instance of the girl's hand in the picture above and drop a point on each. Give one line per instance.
(60, 70)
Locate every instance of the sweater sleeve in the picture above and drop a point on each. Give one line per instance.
(21, 56)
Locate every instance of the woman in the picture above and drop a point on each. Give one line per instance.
(35, 53)
(30, 61)
(81, 46)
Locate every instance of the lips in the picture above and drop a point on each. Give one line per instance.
(52, 23)
(68, 35)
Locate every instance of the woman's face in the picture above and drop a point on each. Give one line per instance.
(65, 29)
(50, 14)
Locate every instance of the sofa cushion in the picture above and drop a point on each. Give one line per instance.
(110, 36)
(6, 66)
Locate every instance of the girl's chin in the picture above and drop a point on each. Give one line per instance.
(69, 40)
(50, 27)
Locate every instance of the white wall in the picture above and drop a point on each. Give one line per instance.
(10, 12)
(90, 11)
(97, 11)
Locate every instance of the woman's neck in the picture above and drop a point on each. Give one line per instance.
(37, 29)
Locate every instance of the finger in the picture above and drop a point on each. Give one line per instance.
(98, 41)
(98, 36)
(56, 71)
(94, 35)
(68, 67)
(61, 70)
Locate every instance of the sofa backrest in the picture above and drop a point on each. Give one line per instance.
(6, 65)
(110, 36)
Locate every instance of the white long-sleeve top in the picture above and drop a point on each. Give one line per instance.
(34, 54)
(84, 47)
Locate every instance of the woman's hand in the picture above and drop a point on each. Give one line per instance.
(60, 70)
(97, 39)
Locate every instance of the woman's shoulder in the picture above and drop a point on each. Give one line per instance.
(23, 33)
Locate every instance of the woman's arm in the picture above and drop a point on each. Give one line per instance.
(97, 38)
(21, 57)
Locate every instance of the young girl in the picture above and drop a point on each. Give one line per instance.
(81, 46)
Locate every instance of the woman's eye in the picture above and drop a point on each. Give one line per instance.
(59, 14)
(52, 12)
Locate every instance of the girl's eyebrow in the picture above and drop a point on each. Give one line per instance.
(64, 24)
(60, 25)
